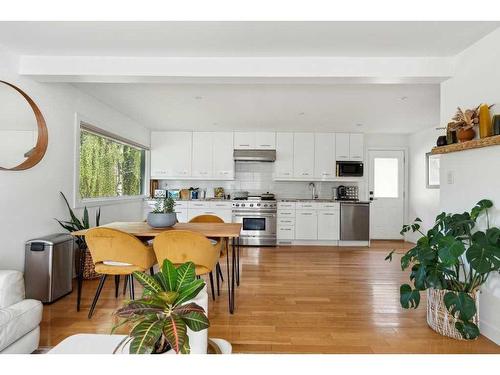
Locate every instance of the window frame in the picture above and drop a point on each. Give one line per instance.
(89, 125)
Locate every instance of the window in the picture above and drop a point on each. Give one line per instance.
(109, 166)
(385, 176)
(432, 167)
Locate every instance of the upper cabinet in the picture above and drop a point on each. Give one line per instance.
(223, 161)
(303, 156)
(254, 140)
(283, 166)
(324, 155)
(192, 155)
(171, 154)
(349, 147)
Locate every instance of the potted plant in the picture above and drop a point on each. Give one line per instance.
(76, 224)
(160, 319)
(451, 262)
(163, 214)
(464, 122)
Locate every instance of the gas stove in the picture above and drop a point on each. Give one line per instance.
(254, 204)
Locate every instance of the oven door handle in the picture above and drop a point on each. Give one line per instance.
(259, 215)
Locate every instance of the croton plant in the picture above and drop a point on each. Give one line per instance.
(159, 320)
(453, 255)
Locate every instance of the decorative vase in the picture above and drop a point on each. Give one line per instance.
(162, 220)
(465, 135)
(484, 121)
(441, 141)
(440, 319)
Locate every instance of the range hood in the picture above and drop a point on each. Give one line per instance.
(255, 155)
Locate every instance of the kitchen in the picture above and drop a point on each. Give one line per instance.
(285, 188)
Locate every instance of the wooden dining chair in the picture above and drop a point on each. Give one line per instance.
(119, 254)
(181, 246)
(222, 242)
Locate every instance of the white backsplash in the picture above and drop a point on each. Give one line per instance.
(257, 177)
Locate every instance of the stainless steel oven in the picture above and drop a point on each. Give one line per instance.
(258, 220)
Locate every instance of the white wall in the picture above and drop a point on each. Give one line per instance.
(29, 200)
(475, 173)
(423, 202)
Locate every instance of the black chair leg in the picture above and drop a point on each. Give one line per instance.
(219, 270)
(211, 276)
(131, 287)
(217, 278)
(125, 282)
(152, 271)
(97, 294)
(117, 285)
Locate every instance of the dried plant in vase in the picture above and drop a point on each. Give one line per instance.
(464, 123)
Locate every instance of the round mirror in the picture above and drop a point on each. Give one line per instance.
(23, 134)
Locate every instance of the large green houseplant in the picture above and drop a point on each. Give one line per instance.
(454, 256)
(158, 321)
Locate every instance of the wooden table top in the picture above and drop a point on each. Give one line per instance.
(142, 229)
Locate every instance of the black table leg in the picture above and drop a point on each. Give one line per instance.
(230, 283)
(238, 261)
(81, 265)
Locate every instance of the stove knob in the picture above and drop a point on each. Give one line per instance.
(265, 205)
(243, 205)
(258, 204)
(237, 204)
(251, 204)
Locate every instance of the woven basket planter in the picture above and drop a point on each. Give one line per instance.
(440, 319)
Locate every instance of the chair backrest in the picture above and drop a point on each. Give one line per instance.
(106, 244)
(181, 246)
(206, 219)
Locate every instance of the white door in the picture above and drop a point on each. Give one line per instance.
(223, 156)
(303, 155)
(386, 185)
(283, 166)
(202, 161)
(324, 155)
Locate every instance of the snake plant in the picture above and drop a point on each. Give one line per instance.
(159, 320)
(456, 256)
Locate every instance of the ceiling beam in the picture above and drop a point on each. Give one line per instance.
(236, 69)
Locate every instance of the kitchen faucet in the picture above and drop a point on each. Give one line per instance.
(313, 187)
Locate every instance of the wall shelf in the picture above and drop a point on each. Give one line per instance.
(469, 145)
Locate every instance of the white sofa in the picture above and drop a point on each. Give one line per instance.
(19, 317)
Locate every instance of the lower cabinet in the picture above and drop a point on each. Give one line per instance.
(186, 210)
(328, 225)
(306, 225)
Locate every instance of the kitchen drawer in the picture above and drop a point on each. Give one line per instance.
(286, 213)
(328, 206)
(306, 205)
(199, 204)
(286, 220)
(286, 205)
(181, 204)
(221, 205)
(285, 232)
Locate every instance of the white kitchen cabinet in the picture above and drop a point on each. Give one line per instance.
(285, 232)
(303, 155)
(324, 155)
(244, 140)
(265, 140)
(356, 147)
(342, 146)
(328, 224)
(223, 161)
(306, 225)
(283, 166)
(202, 157)
(171, 154)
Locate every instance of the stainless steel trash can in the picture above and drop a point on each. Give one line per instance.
(48, 267)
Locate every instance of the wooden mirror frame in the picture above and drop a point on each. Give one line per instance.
(37, 153)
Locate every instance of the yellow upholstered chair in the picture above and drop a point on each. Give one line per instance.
(117, 253)
(222, 242)
(181, 246)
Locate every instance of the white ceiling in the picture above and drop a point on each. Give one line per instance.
(242, 38)
(290, 107)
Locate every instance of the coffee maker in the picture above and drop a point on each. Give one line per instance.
(347, 193)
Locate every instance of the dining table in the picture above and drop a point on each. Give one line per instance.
(143, 231)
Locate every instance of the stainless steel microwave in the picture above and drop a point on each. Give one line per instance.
(349, 169)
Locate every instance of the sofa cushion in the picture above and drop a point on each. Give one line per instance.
(19, 319)
(11, 288)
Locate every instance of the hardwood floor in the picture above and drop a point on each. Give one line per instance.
(296, 300)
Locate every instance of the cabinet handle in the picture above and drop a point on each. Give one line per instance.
(305, 174)
(264, 145)
(244, 145)
(306, 214)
